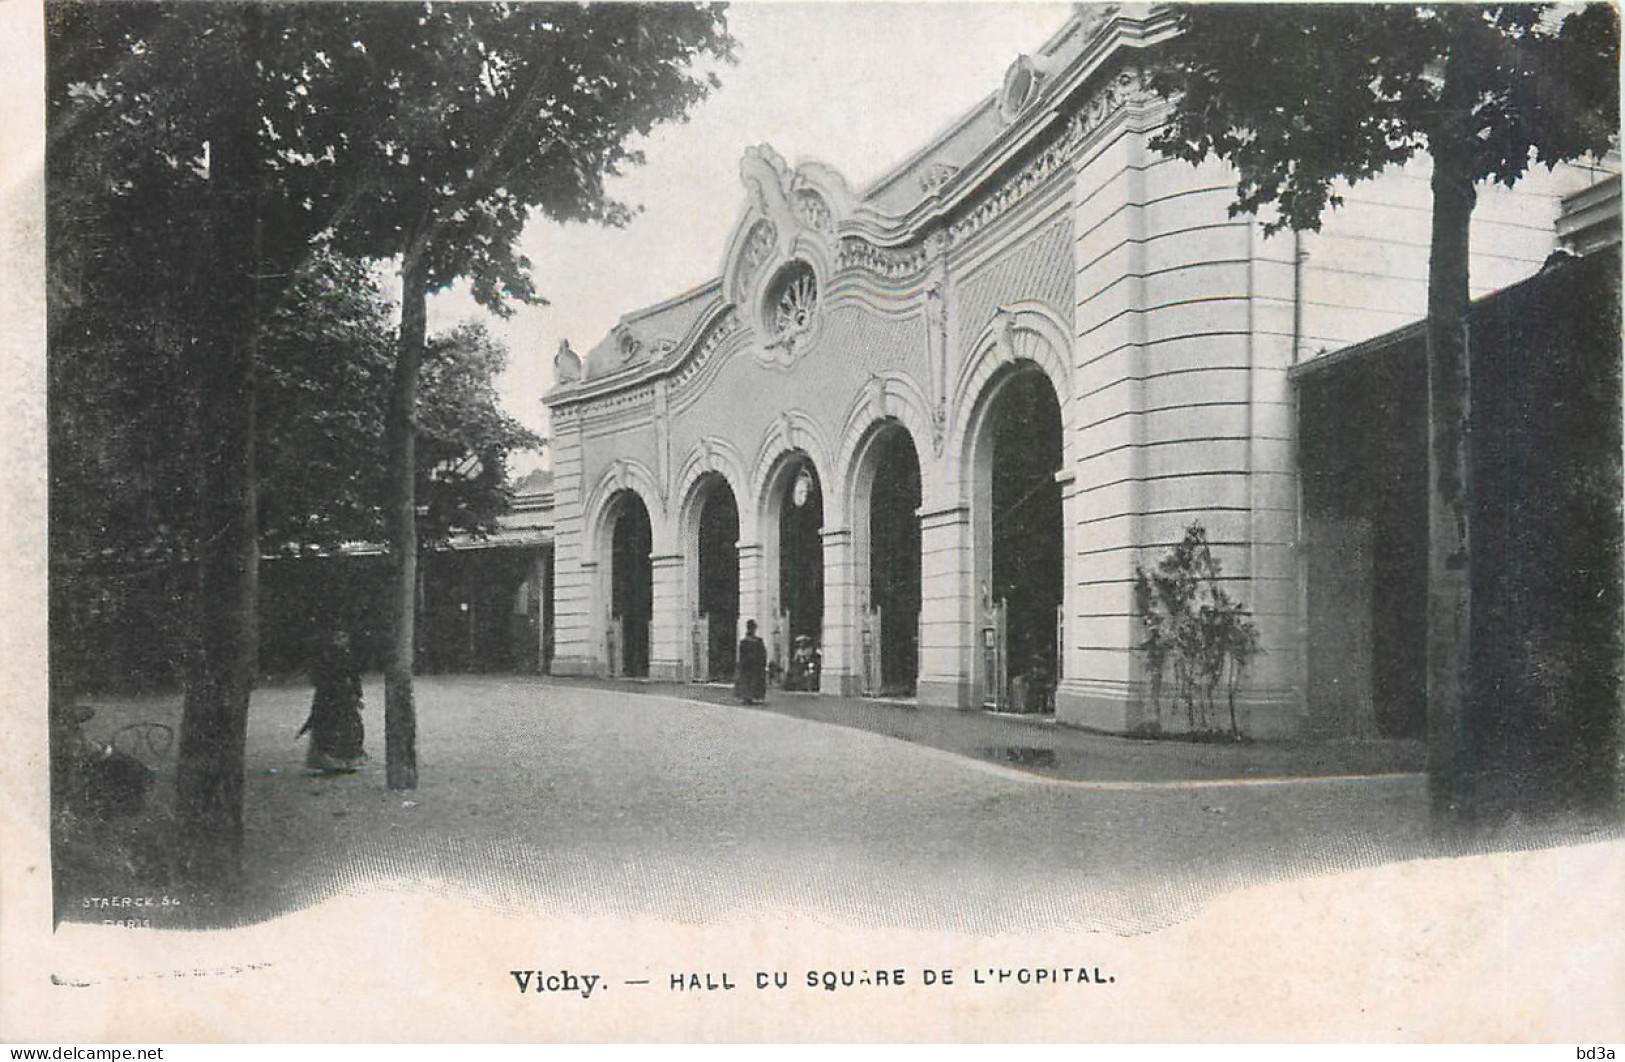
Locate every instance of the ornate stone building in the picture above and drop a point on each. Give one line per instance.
(932, 426)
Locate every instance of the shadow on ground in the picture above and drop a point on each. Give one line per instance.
(1041, 745)
(574, 799)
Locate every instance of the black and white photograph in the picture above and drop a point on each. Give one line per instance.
(812, 522)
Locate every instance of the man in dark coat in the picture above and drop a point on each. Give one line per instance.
(750, 680)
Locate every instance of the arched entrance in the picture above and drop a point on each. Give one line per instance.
(795, 579)
(717, 581)
(1019, 541)
(889, 560)
(631, 581)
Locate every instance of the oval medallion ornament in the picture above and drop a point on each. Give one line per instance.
(797, 298)
(790, 311)
(1021, 83)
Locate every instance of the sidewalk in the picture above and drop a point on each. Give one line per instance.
(1041, 746)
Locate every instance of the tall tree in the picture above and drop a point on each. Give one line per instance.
(1301, 98)
(212, 151)
(430, 134)
(159, 198)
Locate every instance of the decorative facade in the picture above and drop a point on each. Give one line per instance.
(932, 427)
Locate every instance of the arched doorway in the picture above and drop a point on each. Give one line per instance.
(891, 628)
(1020, 541)
(631, 583)
(796, 513)
(717, 589)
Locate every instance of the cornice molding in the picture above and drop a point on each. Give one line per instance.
(1117, 38)
(888, 263)
(810, 208)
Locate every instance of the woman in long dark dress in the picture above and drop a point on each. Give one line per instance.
(336, 731)
(750, 681)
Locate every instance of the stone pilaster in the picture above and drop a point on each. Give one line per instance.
(750, 589)
(669, 636)
(1115, 377)
(578, 648)
(840, 649)
(540, 582)
(946, 620)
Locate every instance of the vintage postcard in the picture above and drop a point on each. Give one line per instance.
(812, 522)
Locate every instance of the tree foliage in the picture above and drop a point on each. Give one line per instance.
(325, 368)
(430, 134)
(440, 129)
(204, 159)
(122, 475)
(1299, 98)
(464, 436)
(1302, 97)
(155, 193)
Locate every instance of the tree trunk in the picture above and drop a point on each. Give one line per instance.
(1449, 624)
(400, 711)
(220, 676)
(220, 670)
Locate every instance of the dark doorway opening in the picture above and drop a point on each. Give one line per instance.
(1027, 534)
(801, 557)
(719, 581)
(1362, 453)
(469, 619)
(631, 587)
(894, 560)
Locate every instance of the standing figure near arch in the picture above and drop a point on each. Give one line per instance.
(750, 683)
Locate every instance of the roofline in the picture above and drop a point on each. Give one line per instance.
(527, 503)
(946, 132)
(1397, 337)
(1112, 38)
(1409, 333)
(631, 376)
(923, 152)
(522, 538)
(1118, 32)
(675, 300)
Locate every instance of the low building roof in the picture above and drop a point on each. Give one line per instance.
(1562, 269)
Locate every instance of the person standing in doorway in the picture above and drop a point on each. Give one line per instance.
(750, 682)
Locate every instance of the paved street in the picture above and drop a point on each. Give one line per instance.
(573, 799)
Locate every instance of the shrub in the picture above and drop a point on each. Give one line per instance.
(1193, 626)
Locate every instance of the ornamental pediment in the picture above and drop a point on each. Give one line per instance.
(805, 240)
(784, 249)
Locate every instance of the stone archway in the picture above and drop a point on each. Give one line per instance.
(713, 539)
(1019, 540)
(886, 497)
(631, 586)
(792, 574)
(1015, 387)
